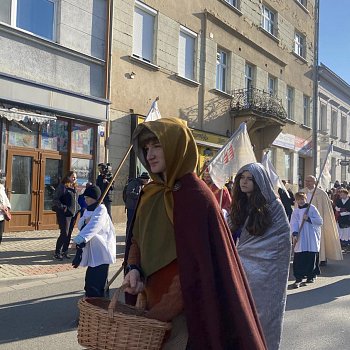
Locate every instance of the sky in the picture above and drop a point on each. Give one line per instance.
(334, 39)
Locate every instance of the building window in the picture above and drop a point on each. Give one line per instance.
(34, 16)
(84, 170)
(323, 117)
(344, 127)
(5, 11)
(232, 2)
(302, 2)
(343, 173)
(54, 136)
(287, 166)
(306, 110)
(143, 34)
(334, 123)
(82, 139)
(23, 134)
(271, 85)
(269, 20)
(187, 41)
(333, 169)
(300, 45)
(221, 70)
(248, 76)
(290, 103)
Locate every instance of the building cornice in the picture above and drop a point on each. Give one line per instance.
(328, 75)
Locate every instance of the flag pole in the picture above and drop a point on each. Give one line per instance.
(316, 186)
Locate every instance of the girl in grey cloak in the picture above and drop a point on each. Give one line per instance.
(262, 233)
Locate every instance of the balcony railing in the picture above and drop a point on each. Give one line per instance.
(259, 101)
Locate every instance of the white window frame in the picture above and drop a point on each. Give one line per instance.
(221, 70)
(233, 3)
(306, 110)
(300, 44)
(13, 20)
(272, 85)
(290, 102)
(139, 6)
(183, 61)
(334, 123)
(248, 76)
(269, 20)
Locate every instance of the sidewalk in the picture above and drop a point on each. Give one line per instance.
(27, 256)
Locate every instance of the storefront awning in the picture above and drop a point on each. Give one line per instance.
(16, 115)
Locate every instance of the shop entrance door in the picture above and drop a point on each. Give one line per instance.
(31, 180)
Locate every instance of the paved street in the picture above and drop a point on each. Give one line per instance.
(38, 299)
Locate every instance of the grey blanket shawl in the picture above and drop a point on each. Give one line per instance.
(266, 260)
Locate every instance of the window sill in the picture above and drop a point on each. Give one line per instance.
(31, 37)
(299, 57)
(222, 93)
(323, 132)
(342, 140)
(291, 121)
(144, 63)
(302, 6)
(334, 137)
(233, 8)
(307, 127)
(273, 37)
(187, 80)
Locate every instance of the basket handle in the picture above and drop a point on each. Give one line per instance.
(140, 304)
(113, 302)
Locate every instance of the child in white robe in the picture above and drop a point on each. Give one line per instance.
(98, 242)
(306, 242)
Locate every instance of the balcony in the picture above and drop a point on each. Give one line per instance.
(258, 102)
(264, 115)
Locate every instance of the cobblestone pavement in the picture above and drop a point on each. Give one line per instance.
(30, 253)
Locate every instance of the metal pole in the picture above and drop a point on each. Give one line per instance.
(315, 81)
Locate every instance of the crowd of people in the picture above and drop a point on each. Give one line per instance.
(213, 262)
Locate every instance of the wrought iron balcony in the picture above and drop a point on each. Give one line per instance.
(258, 101)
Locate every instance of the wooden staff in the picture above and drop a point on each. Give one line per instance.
(314, 191)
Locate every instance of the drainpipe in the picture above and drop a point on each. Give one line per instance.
(202, 71)
(315, 99)
(108, 55)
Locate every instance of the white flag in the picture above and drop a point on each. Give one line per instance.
(271, 171)
(237, 151)
(153, 113)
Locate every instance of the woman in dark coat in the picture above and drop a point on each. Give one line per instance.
(180, 253)
(65, 204)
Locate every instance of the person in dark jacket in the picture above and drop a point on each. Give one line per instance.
(103, 180)
(287, 200)
(65, 204)
(133, 191)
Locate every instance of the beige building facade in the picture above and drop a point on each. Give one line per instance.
(216, 64)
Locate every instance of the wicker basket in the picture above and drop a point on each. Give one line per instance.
(110, 325)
